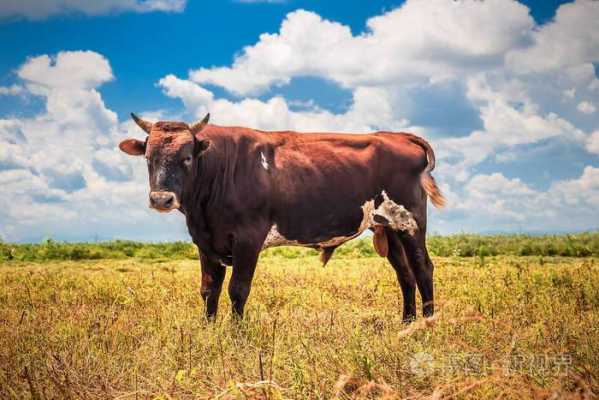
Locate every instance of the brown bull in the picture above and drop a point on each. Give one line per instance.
(243, 190)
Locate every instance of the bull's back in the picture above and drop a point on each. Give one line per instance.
(351, 163)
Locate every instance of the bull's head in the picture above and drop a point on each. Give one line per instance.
(172, 150)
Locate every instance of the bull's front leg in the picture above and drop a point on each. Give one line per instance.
(245, 257)
(213, 275)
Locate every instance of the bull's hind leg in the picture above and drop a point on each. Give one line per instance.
(422, 267)
(405, 277)
(213, 275)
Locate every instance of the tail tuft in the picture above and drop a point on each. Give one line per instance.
(430, 187)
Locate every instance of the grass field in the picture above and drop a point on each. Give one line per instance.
(130, 327)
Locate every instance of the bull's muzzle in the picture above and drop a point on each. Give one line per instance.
(164, 201)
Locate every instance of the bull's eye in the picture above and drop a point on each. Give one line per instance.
(187, 161)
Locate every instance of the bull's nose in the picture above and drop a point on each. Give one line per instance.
(163, 201)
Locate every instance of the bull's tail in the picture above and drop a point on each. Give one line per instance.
(426, 179)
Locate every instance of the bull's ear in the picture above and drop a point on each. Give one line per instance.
(133, 147)
(201, 146)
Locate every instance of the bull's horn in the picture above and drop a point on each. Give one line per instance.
(198, 126)
(145, 125)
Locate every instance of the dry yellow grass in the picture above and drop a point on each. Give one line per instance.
(132, 329)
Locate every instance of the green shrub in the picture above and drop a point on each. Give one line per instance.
(460, 245)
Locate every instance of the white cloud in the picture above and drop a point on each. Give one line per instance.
(510, 119)
(76, 121)
(435, 40)
(571, 39)
(586, 107)
(40, 9)
(580, 196)
(509, 204)
(61, 170)
(370, 109)
(499, 197)
(82, 70)
(592, 144)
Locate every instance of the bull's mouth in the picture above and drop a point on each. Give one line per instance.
(164, 210)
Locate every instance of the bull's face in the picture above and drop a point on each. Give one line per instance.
(172, 150)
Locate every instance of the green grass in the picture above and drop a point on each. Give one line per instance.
(463, 245)
(131, 327)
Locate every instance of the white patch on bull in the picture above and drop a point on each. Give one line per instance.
(393, 215)
(263, 161)
(275, 238)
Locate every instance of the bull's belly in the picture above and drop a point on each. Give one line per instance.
(276, 238)
(388, 214)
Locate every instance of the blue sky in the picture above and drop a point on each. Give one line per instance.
(506, 91)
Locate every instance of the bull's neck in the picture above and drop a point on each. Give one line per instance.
(203, 202)
(194, 204)
(199, 194)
